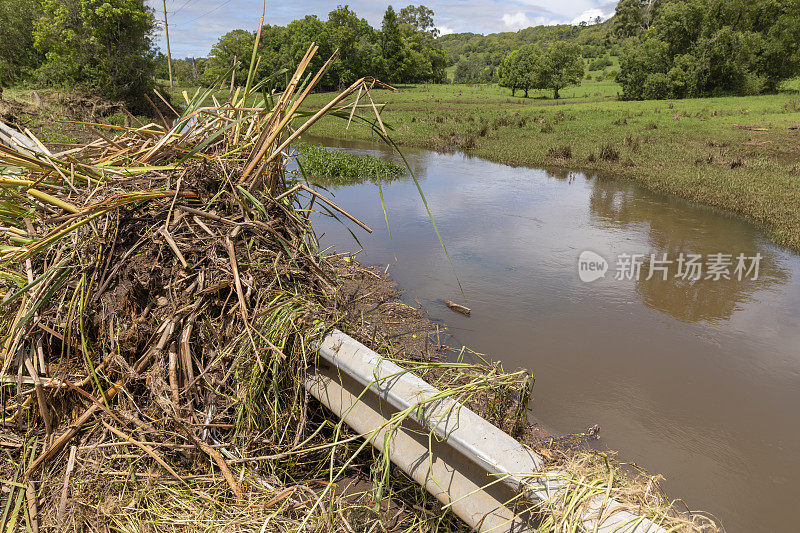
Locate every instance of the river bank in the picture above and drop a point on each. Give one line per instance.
(647, 360)
(740, 155)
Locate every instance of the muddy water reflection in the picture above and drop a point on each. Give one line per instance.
(676, 234)
(697, 380)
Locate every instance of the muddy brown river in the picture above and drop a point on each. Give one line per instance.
(697, 379)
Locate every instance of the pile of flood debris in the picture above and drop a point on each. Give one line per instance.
(162, 289)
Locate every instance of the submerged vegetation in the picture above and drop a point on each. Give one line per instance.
(338, 167)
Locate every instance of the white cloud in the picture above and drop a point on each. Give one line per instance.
(519, 20)
(590, 15)
(444, 30)
(516, 21)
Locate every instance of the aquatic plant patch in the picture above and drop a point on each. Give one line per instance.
(337, 167)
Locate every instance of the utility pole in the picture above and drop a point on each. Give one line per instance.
(169, 53)
(233, 74)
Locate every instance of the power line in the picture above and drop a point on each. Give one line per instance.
(180, 8)
(223, 4)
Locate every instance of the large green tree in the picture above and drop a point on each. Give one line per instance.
(708, 47)
(272, 58)
(18, 57)
(357, 43)
(422, 61)
(421, 18)
(509, 72)
(542, 66)
(519, 70)
(408, 48)
(300, 34)
(560, 65)
(100, 45)
(630, 18)
(636, 69)
(236, 45)
(392, 44)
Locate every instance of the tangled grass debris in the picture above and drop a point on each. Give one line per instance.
(162, 289)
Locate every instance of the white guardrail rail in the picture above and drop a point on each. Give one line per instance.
(14, 139)
(472, 466)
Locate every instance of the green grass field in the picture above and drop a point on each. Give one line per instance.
(738, 154)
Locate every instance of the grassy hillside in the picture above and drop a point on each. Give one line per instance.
(464, 45)
(739, 154)
(481, 55)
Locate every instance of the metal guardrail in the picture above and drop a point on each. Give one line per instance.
(476, 469)
(16, 140)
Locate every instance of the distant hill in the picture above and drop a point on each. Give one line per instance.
(476, 57)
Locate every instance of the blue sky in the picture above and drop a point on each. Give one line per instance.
(194, 25)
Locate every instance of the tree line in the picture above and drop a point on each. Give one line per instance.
(403, 50)
(477, 58)
(695, 48)
(106, 47)
(666, 48)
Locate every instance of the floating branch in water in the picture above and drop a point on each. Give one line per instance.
(466, 311)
